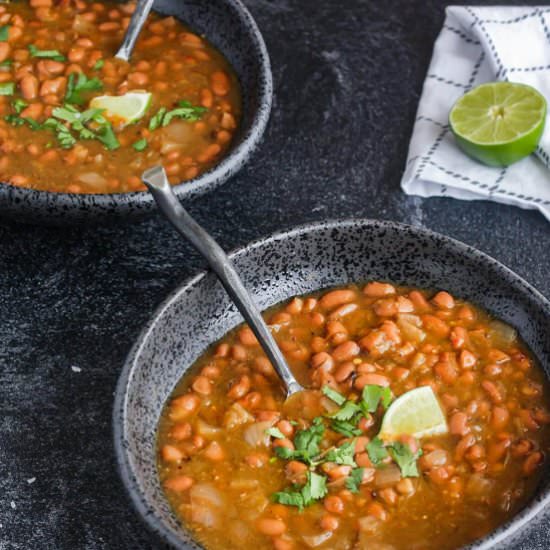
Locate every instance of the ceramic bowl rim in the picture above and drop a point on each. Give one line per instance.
(205, 182)
(155, 524)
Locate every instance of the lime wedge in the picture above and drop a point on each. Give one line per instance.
(499, 123)
(123, 109)
(415, 413)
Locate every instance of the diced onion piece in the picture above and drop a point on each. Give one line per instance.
(316, 540)
(387, 477)
(205, 429)
(92, 178)
(235, 416)
(255, 434)
(206, 504)
(176, 135)
(205, 494)
(502, 333)
(369, 524)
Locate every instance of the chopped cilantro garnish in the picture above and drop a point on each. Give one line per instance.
(405, 458)
(76, 85)
(347, 412)
(373, 395)
(314, 489)
(273, 432)
(14, 120)
(345, 428)
(185, 111)
(376, 451)
(333, 395)
(343, 454)
(156, 120)
(4, 33)
(354, 480)
(6, 63)
(46, 54)
(7, 88)
(307, 441)
(19, 105)
(107, 136)
(98, 64)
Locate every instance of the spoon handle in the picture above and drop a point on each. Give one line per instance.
(134, 28)
(156, 181)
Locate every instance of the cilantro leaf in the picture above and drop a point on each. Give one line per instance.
(405, 458)
(308, 440)
(376, 451)
(46, 54)
(76, 85)
(107, 136)
(6, 63)
(98, 64)
(345, 428)
(63, 134)
(185, 111)
(285, 453)
(353, 481)
(273, 432)
(347, 412)
(34, 125)
(4, 33)
(7, 88)
(333, 395)
(372, 395)
(288, 497)
(156, 120)
(343, 454)
(14, 120)
(314, 489)
(19, 105)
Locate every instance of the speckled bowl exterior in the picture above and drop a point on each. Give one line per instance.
(229, 26)
(296, 262)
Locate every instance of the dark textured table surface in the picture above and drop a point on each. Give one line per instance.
(348, 76)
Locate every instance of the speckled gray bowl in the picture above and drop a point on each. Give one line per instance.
(230, 27)
(274, 269)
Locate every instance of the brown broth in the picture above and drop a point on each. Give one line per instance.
(451, 505)
(169, 60)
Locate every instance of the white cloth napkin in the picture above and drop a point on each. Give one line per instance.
(476, 45)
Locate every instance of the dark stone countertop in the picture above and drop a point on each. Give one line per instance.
(347, 80)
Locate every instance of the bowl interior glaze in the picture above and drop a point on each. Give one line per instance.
(228, 25)
(300, 261)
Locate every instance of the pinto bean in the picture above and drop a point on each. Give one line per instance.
(458, 425)
(29, 86)
(335, 298)
(346, 351)
(5, 50)
(271, 527)
(375, 289)
(374, 379)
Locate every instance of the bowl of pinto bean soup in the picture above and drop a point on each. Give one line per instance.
(426, 424)
(78, 127)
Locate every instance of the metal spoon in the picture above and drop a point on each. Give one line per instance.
(156, 181)
(139, 17)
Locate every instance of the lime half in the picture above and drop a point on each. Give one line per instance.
(499, 123)
(415, 413)
(123, 109)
